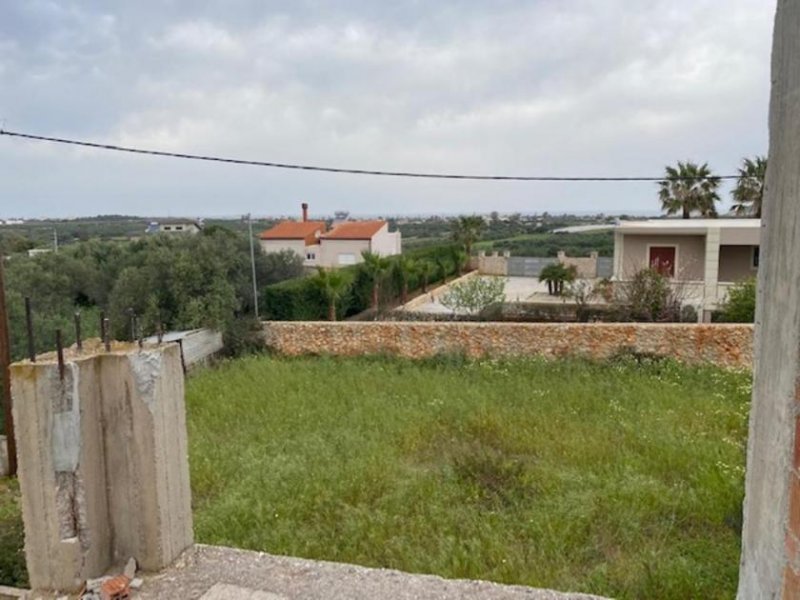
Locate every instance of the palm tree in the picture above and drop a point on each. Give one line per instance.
(375, 266)
(460, 258)
(333, 285)
(467, 230)
(444, 265)
(689, 188)
(426, 269)
(748, 194)
(406, 267)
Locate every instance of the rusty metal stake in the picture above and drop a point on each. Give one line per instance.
(60, 353)
(102, 326)
(5, 361)
(78, 339)
(107, 334)
(29, 327)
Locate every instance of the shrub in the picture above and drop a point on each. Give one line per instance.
(740, 306)
(474, 294)
(648, 296)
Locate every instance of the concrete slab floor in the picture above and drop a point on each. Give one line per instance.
(217, 573)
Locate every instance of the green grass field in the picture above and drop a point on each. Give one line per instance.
(621, 479)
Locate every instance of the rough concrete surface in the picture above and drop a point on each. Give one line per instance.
(103, 464)
(770, 562)
(200, 571)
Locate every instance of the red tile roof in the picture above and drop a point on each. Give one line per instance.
(295, 230)
(355, 230)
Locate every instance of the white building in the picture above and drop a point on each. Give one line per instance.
(341, 246)
(344, 244)
(173, 226)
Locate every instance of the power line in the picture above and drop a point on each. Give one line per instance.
(278, 165)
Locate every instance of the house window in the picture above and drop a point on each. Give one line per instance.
(167, 228)
(310, 256)
(756, 256)
(179, 228)
(662, 259)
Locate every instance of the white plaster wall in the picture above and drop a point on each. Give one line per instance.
(331, 249)
(296, 246)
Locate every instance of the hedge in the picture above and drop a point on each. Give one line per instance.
(301, 300)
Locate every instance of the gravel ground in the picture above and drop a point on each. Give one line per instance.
(217, 573)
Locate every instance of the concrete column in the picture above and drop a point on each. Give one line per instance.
(710, 271)
(619, 240)
(103, 465)
(770, 562)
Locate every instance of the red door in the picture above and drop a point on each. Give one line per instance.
(662, 259)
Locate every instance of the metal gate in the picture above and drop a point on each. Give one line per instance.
(528, 266)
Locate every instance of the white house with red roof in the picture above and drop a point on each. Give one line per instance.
(344, 244)
(341, 246)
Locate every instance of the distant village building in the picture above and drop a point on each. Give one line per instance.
(341, 246)
(175, 226)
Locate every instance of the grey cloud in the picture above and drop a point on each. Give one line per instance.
(595, 87)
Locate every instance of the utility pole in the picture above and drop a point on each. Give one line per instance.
(5, 361)
(253, 264)
(55, 240)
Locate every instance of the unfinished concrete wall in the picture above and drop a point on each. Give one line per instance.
(103, 465)
(770, 562)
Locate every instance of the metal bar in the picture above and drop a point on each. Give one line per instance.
(29, 328)
(5, 361)
(133, 324)
(60, 354)
(78, 339)
(107, 334)
(102, 326)
(253, 265)
(160, 332)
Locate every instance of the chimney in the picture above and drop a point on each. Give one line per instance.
(304, 206)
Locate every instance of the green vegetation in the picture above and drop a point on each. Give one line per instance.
(12, 557)
(689, 188)
(623, 479)
(740, 305)
(748, 195)
(548, 244)
(556, 275)
(378, 282)
(474, 295)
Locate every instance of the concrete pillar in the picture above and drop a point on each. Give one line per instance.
(619, 240)
(103, 465)
(770, 561)
(710, 269)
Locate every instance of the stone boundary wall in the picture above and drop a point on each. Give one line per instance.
(725, 345)
(586, 268)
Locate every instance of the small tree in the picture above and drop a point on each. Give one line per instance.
(556, 275)
(474, 295)
(460, 258)
(648, 296)
(445, 265)
(426, 269)
(406, 268)
(467, 230)
(376, 267)
(333, 285)
(581, 292)
(740, 306)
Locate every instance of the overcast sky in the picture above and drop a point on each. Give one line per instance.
(518, 87)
